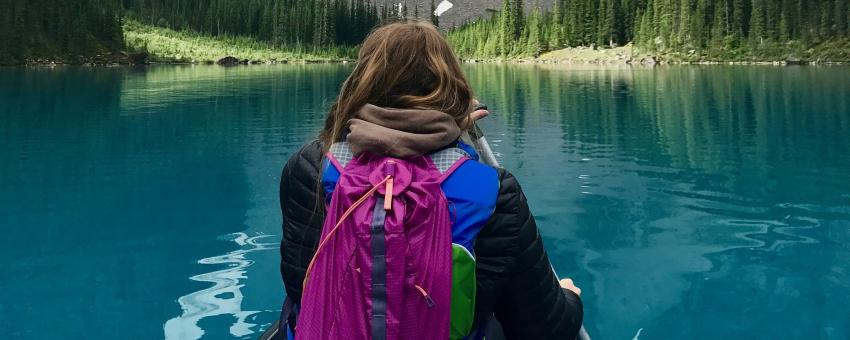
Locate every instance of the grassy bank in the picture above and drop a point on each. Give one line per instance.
(167, 45)
(586, 55)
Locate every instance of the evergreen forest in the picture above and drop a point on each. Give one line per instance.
(713, 29)
(724, 28)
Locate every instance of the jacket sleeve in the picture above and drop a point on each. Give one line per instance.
(513, 266)
(303, 212)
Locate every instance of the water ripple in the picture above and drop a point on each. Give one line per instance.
(224, 297)
(771, 225)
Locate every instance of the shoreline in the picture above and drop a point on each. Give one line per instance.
(151, 45)
(618, 56)
(145, 44)
(627, 55)
(657, 61)
(49, 62)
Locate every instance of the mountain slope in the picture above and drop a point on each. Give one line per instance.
(460, 11)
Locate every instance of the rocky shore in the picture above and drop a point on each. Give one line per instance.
(627, 55)
(100, 59)
(124, 58)
(623, 55)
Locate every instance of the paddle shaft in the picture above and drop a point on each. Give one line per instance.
(485, 153)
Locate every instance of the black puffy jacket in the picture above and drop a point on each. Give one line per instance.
(515, 279)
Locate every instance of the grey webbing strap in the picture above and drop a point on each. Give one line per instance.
(442, 159)
(445, 158)
(342, 153)
(379, 272)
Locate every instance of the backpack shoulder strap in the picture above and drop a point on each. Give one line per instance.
(337, 157)
(448, 160)
(339, 154)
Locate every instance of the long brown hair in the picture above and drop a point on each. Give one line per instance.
(401, 65)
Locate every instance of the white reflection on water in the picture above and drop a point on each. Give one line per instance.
(224, 297)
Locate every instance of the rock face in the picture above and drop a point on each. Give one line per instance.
(651, 60)
(228, 61)
(138, 58)
(794, 61)
(461, 11)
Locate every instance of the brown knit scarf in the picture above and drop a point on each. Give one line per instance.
(400, 132)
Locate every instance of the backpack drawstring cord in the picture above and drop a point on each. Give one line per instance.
(428, 300)
(387, 180)
(389, 170)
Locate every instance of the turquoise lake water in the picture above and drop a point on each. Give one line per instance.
(687, 202)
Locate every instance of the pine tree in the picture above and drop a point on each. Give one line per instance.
(720, 27)
(684, 34)
(757, 23)
(825, 25)
(738, 20)
(505, 33)
(649, 28)
(517, 17)
(700, 23)
(571, 23)
(555, 26)
(533, 45)
(588, 24)
(841, 11)
(435, 19)
(646, 33)
(625, 19)
(664, 17)
(605, 30)
(785, 21)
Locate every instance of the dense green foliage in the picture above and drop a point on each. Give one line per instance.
(686, 29)
(58, 28)
(165, 44)
(720, 27)
(284, 23)
(74, 30)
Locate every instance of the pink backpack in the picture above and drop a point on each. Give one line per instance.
(383, 267)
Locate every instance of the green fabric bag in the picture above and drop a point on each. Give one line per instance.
(463, 292)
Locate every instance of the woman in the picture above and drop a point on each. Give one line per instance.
(407, 96)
